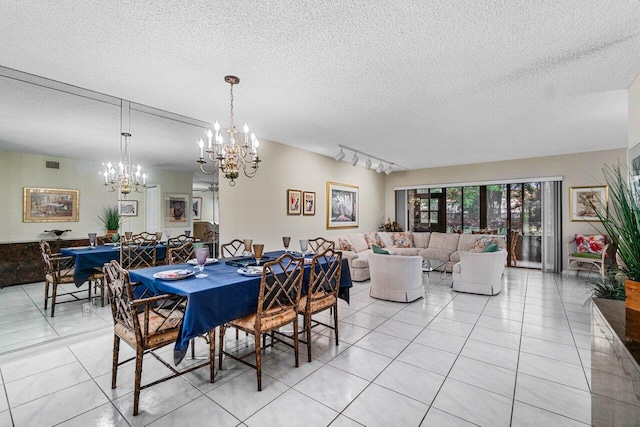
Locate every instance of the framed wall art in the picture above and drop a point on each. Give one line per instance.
(49, 205)
(176, 208)
(584, 202)
(196, 207)
(308, 203)
(294, 202)
(128, 207)
(342, 205)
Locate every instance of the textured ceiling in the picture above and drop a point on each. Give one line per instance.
(446, 82)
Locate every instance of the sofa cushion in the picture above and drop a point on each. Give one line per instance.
(359, 242)
(421, 240)
(345, 244)
(448, 241)
(374, 238)
(435, 253)
(387, 238)
(405, 251)
(467, 242)
(403, 239)
(378, 250)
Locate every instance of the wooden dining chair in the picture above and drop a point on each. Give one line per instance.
(138, 252)
(322, 292)
(146, 324)
(231, 249)
(180, 240)
(58, 270)
(278, 300)
(515, 236)
(180, 254)
(320, 244)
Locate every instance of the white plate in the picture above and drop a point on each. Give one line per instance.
(174, 274)
(250, 271)
(209, 261)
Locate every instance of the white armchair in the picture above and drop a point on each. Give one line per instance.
(396, 277)
(479, 272)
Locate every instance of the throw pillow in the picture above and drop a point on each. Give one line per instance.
(345, 245)
(483, 241)
(378, 250)
(490, 247)
(590, 244)
(403, 240)
(374, 239)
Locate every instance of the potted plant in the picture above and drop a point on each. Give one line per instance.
(622, 224)
(110, 219)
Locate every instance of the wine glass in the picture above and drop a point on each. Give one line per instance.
(247, 247)
(92, 239)
(167, 232)
(304, 245)
(257, 249)
(158, 235)
(285, 242)
(114, 238)
(187, 233)
(127, 235)
(201, 258)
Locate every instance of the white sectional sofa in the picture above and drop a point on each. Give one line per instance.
(356, 247)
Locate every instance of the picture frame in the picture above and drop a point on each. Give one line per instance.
(342, 205)
(196, 205)
(176, 211)
(581, 200)
(294, 202)
(128, 207)
(50, 205)
(308, 203)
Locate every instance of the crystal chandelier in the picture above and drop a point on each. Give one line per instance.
(123, 177)
(231, 156)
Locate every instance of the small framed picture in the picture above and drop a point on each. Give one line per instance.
(128, 207)
(197, 207)
(176, 209)
(293, 202)
(308, 203)
(584, 202)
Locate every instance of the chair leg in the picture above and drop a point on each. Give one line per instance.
(212, 353)
(220, 352)
(54, 292)
(307, 326)
(46, 293)
(114, 368)
(192, 343)
(295, 341)
(258, 360)
(335, 322)
(137, 380)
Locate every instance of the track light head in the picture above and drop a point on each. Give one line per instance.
(379, 168)
(367, 165)
(340, 156)
(388, 170)
(354, 161)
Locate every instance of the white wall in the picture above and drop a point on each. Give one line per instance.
(634, 112)
(18, 170)
(256, 208)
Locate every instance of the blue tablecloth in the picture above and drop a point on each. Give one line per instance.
(88, 258)
(222, 296)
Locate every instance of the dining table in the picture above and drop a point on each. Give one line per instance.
(223, 295)
(87, 258)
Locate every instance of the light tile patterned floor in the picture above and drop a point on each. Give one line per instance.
(533, 355)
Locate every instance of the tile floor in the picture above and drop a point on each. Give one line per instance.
(533, 355)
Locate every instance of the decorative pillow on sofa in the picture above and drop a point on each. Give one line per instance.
(403, 240)
(490, 247)
(482, 242)
(378, 250)
(590, 244)
(374, 239)
(346, 245)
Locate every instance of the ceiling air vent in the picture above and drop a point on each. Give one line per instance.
(51, 165)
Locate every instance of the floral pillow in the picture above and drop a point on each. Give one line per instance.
(374, 239)
(590, 244)
(403, 240)
(346, 245)
(482, 242)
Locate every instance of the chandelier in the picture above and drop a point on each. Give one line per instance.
(229, 157)
(123, 177)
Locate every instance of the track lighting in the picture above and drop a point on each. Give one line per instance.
(354, 161)
(367, 165)
(388, 170)
(340, 155)
(379, 168)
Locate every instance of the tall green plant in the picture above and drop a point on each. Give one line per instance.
(623, 220)
(110, 217)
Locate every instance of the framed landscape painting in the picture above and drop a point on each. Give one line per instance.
(308, 203)
(128, 207)
(49, 205)
(584, 202)
(293, 202)
(342, 205)
(197, 207)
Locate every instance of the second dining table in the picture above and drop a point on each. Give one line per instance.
(223, 295)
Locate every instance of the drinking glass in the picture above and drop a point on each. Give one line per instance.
(158, 235)
(304, 245)
(285, 242)
(257, 249)
(187, 233)
(92, 239)
(247, 247)
(201, 258)
(114, 238)
(168, 233)
(127, 235)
